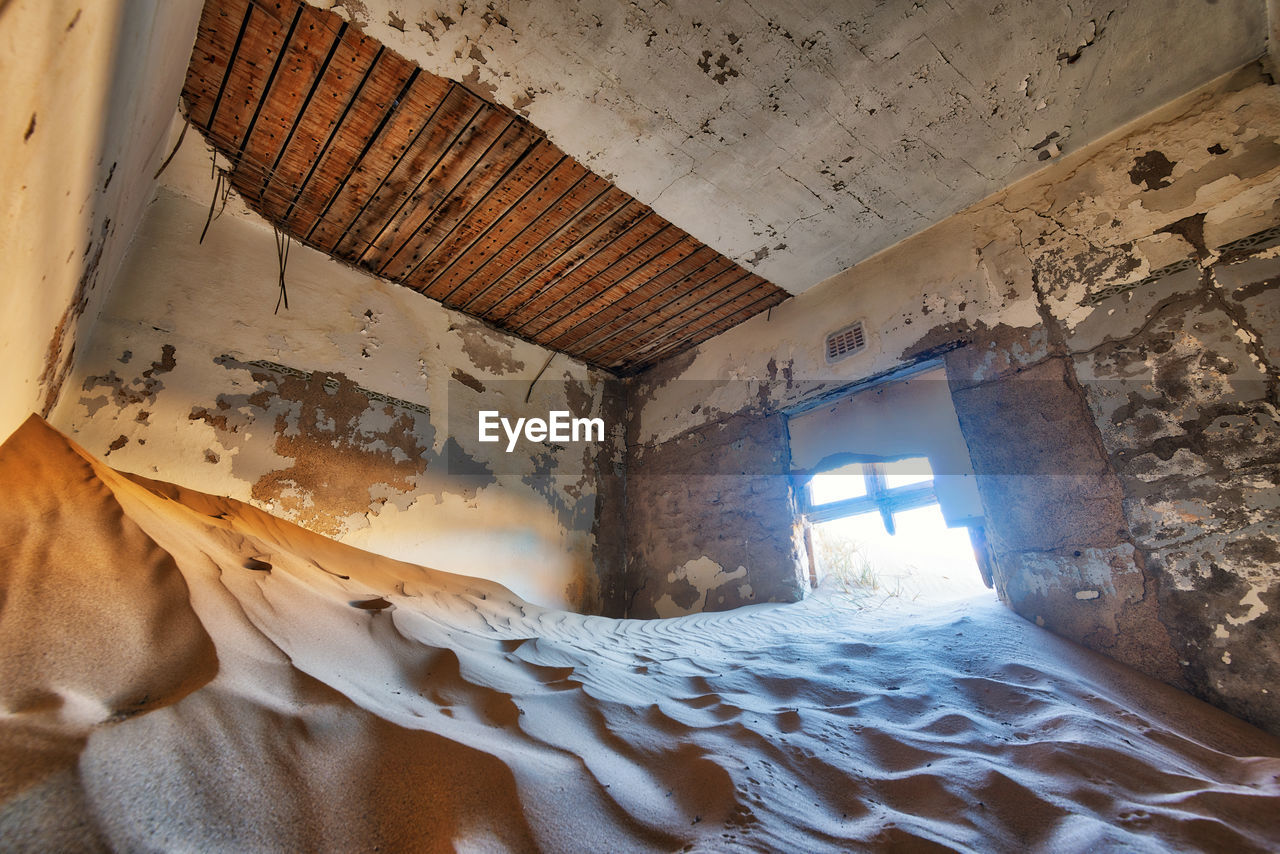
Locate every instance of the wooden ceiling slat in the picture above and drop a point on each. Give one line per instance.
(254, 177)
(294, 75)
(601, 317)
(372, 98)
(368, 113)
(705, 325)
(513, 145)
(217, 37)
(540, 202)
(226, 31)
(397, 138)
(559, 202)
(691, 308)
(274, 191)
(207, 66)
(251, 62)
(661, 303)
(564, 291)
(264, 96)
(715, 305)
(350, 148)
(507, 201)
(489, 128)
(771, 298)
(638, 306)
(561, 231)
(359, 174)
(405, 183)
(589, 317)
(653, 259)
(665, 305)
(533, 277)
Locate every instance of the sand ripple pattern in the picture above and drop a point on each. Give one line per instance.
(274, 691)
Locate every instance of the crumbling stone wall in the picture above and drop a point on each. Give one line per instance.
(1109, 328)
(1183, 386)
(711, 523)
(1064, 557)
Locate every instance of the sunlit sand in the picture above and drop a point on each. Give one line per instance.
(186, 673)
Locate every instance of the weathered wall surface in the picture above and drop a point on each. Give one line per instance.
(704, 531)
(1054, 508)
(351, 412)
(90, 89)
(1109, 331)
(1182, 378)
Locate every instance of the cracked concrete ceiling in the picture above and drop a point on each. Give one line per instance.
(799, 137)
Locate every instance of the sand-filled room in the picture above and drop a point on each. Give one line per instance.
(752, 425)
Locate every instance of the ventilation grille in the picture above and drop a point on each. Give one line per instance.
(845, 342)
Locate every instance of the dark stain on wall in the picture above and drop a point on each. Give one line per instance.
(336, 460)
(1055, 270)
(1249, 158)
(1190, 229)
(349, 454)
(1246, 683)
(609, 525)
(121, 393)
(467, 380)
(486, 348)
(1152, 169)
(575, 513)
(60, 354)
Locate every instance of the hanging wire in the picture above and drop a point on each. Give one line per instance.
(282, 255)
(213, 202)
(226, 194)
(244, 170)
(221, 192)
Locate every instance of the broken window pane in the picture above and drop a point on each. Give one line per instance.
(848, 481)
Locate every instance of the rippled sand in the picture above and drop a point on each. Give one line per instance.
(186, 673)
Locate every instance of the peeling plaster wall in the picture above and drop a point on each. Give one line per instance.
(90, 89)
(800, 136)
(352, 412)
(1109, 329)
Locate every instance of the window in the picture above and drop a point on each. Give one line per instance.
(878, 527)
(884, 487)
(837, 485)
(888, 458)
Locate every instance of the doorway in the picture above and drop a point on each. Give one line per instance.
(878, 532)
(887, 493)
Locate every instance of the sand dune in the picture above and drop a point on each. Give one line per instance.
(186, 673)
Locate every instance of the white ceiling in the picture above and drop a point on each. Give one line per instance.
(801, 137)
